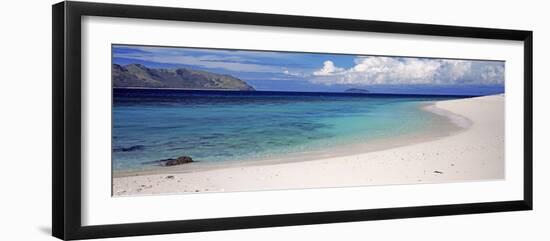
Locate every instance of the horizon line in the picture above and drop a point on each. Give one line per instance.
(308, 92)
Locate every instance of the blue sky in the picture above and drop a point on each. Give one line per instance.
(291, 71)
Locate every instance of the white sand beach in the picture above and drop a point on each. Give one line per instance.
(474, 151)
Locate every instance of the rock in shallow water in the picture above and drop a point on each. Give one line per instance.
(172, 161)
(178, 161)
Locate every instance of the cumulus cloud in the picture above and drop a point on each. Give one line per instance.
(328, 69)
(373, 70)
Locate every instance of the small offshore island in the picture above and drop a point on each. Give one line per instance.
(356, 91)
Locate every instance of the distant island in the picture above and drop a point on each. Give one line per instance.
(357, 91)
(140, 76)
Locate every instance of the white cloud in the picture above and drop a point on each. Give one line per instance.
(373, 70)
(203, 58)
(205, 61)
(294, 73)
(328, 69)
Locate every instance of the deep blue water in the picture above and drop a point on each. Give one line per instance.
(218, 126)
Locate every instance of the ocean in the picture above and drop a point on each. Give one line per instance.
(230, 126)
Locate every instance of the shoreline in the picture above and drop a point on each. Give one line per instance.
(244, 176)
(448, 123)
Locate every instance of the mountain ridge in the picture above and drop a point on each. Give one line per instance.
(140, 76)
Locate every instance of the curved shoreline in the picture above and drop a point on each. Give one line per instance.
(345, 163)
(444, 121)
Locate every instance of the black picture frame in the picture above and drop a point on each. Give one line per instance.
(66, 158)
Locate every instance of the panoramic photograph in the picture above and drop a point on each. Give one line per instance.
(199, 120)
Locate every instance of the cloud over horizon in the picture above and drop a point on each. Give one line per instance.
(298, 71)
(376, 70)
(230, 60)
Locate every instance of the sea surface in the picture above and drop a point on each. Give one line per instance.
(226, 126)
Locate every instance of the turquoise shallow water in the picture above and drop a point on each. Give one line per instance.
(214, 126)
